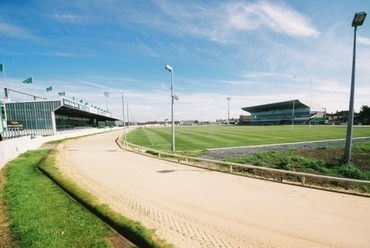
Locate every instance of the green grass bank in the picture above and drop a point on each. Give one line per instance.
(41, 214)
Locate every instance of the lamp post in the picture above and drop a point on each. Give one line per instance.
(358, 20)
(169, 68)
(123, 116)
(128, 117)
(228, 110)
(106, 94)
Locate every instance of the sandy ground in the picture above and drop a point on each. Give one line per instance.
(191, 207)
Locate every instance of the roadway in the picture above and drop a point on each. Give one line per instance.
(193, 207)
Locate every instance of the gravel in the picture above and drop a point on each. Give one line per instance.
(222, 153)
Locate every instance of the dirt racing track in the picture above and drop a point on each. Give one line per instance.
(192, 207)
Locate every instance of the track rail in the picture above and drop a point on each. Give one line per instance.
(304, 179)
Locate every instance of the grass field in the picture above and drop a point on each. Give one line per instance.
(216, 136)
(194, 140)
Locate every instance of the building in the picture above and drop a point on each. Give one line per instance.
(284, 113)
(340, 117)
(47, 117)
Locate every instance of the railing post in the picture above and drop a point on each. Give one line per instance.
(303, 180)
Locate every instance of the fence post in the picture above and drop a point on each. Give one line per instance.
(303, 180)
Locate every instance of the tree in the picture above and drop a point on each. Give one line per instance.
(364, 114)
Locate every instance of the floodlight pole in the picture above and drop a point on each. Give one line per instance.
(106, 94)
(228, 110)
(295, 77)
(358, 20)
(169, 68)
(128, 117)
(123, 116)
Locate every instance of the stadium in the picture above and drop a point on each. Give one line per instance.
(44, 117)
(287, 112)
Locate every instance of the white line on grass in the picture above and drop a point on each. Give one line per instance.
(148, 138)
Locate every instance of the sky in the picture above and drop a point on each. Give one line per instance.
(252, 52)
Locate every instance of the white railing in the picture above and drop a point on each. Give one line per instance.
(12, 148)
(304, 179)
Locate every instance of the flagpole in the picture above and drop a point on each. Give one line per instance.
(310, 105)
(3, 69)
(293, 102)
(4, 78)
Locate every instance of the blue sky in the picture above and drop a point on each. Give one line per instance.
(254, 52)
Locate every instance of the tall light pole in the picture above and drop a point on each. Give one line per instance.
(169, 68)
(295, 77)
(358, 20)
(228, 109)
(123, 116)
(128, 117)
(106, 94)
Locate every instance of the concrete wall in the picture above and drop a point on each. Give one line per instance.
(12, 148)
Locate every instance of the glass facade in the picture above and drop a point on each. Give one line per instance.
(47, 117)
(282, 114)
(68, 122)
(33, 116)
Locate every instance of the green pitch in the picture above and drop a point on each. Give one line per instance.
(216, 136)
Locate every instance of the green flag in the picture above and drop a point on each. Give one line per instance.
(49, 88)
(2, 67)
(81, 101)
(28, 81)
(61, 93)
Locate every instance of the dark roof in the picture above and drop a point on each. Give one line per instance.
(275, 106)
(72, 112)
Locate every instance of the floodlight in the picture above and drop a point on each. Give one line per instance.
(359, 19)
(168, 68)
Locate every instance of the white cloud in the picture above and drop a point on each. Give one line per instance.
(70, 18)
(363, 40)
(285, 20)
(223, 22)
(15, 31)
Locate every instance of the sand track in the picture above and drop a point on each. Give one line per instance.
(192, 207)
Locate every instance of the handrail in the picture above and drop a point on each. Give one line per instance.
(303, 176)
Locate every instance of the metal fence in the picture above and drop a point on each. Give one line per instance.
(338, 184)
(16, 133)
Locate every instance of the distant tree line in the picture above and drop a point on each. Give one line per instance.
(364, 115)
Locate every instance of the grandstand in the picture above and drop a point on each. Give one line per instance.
(280, 113)
(48, 117)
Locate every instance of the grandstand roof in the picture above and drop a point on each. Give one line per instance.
(275, 106)
(71, 108)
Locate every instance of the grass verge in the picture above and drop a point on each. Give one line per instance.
(42, 215)
(326, 161)
(7, 238)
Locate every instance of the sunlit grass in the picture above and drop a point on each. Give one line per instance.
(43, 215)
(216, 136)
